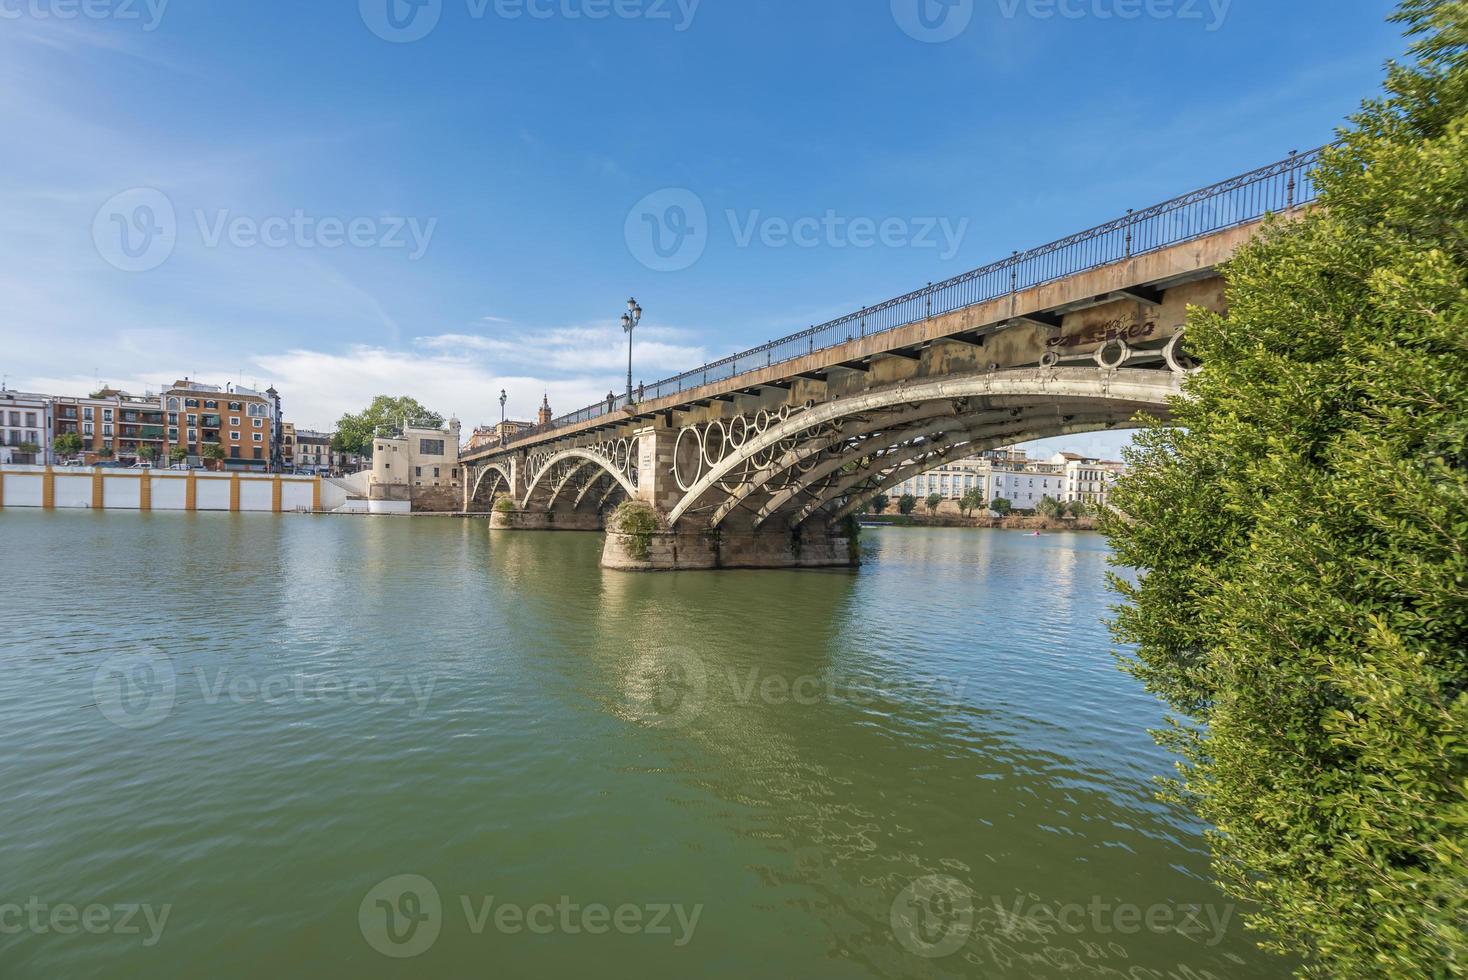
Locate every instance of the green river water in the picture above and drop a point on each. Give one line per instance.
(260, 746)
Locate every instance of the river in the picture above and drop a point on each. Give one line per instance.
(285, 746)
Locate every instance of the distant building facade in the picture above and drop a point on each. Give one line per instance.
(25, 421)
(415, 468)
(1009, 474)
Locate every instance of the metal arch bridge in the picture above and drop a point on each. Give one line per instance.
(757, 459)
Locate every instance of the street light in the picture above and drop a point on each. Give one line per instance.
(503, 398)
(630, 320)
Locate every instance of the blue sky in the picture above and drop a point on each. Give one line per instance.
(355, 211)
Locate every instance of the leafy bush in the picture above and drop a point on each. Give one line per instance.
(1303, 597)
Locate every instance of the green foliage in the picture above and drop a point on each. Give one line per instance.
(1077, 508)
(504, 505)
(1001, 506)
(906, 504)
(1301, 535)
(148, 453)
(636, 520)
(970, 502)
(213, 451)
(178, 454)
(933, 502)
(354, 432)
(67, 444)
(1049, 507)
(880, 503)
(29, 447)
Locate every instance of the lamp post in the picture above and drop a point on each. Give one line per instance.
(503, 398)
(630, 320)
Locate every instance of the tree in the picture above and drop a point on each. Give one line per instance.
(1301, 602)
(178, 454)
(67, 444)
(354, 432)
(1049, 507)
(934, 501)
(880, 502)
(1001, 506)
(1077, 508)
(906, 504)
(971, 501)
(213, 452)
(148, 453)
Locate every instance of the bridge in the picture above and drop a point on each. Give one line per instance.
(763, 459)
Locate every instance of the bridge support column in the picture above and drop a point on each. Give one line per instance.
(638, 541)
(519, 519)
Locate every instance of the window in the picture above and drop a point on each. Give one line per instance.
(173, 404)
(107, 429)
(106, 415)
(435, 472)
(235, 407)
(258, 437)
(417, 471)
(193, 419)
(257, 454)
(253, 410)
(430, 447)
(87, 412)
(172, 434)
(191, 403)
(234, 420)
(260, 423)
(234, 452)
(210, 403)
(86, 428)
(234, 437)
(30, 418)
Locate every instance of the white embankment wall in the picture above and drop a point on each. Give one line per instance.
(96, 488)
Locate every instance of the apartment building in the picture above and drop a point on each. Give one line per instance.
(24, 423)
(1010, 474)
(246, 424)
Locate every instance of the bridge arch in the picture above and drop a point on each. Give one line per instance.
(491, 479)
(555, 477)
(825, 460)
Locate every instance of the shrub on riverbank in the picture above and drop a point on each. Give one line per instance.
(1301, 536)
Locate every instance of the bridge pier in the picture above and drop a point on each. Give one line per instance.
(639, 541)
(528, 519)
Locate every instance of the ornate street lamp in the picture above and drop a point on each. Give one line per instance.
(503, 398)
(630, 320)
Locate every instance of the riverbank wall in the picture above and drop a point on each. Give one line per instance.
(106, 488)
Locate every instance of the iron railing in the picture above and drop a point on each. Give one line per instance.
(1276, 188)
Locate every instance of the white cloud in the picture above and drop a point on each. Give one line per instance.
(319, 387)
(657, 351)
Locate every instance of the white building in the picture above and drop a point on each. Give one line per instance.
(408, 464)
(25, 419)
(1011, 475)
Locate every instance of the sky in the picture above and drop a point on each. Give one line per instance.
(446, 198)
